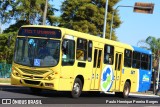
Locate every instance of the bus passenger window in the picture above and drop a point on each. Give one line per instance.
(90, 51)
(149, 62)
(81, 52)
(80, 55)
(136, 60)
(127, 58)
(108, 54)
(68, 52)
(144, 61)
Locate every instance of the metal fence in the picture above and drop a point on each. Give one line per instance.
(5, 70)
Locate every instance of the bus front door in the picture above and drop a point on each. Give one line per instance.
(118, 67)
(95, 82)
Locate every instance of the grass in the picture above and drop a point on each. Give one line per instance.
(5, 80)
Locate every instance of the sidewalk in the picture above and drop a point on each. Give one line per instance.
(5, 81)
(5, 84)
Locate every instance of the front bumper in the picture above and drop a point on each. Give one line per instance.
(37, 83)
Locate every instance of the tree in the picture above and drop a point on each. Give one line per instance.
(15, 27)
(143, 44)
(6, 53)
(30, 11)
(88, 16)
(0, 29)
(154, 44)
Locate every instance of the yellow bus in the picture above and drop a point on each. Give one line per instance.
(48, 57)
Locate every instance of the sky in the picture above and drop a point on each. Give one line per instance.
(138, 26)
(135, 26)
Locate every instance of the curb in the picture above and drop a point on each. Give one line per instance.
(9, 84)
(140, 94)
(5, 83)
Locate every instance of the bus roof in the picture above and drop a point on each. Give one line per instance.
(96, 38)
(82, 35)
(142, 50)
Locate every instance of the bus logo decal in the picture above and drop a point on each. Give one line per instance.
(145, 78)
(106, 78)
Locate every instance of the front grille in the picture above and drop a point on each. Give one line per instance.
(38, 72)
(36, 77)
(32, 82)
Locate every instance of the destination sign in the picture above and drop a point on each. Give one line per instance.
(39, 32)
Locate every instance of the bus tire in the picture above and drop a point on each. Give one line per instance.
(35, 90)
(126, 90)
(77, 88)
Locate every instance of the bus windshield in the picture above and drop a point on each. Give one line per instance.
(36, 52)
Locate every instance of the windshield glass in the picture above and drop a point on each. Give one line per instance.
(37, 52)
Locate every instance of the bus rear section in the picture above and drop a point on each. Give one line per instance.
(142, 60)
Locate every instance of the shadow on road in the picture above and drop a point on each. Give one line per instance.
(50, 93)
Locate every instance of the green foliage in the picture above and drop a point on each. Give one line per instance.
(6, 53)
(30, 11)
(154, 44)
(88, 16)
(23, 12)
(15, 27)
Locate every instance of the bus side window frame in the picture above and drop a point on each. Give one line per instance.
(128, 59)
(82, 50)
(108, 54)
(149, 62)
(90, 47)
(136, 59)
(67, 61)
(145, 61)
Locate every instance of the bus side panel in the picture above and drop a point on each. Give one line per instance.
(125, 75)
(66, 78)
(88, 76)
(85, 73)
(144, 80)
(133, 76)
(134, 80)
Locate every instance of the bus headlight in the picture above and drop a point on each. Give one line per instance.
(50, 77)
(16, 73)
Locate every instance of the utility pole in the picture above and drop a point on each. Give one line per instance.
(45, 12)
(105, 19)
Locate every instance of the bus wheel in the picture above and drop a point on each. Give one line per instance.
(77, 88)
(126, 90)
(35, 90)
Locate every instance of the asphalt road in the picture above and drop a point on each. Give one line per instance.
(63, 99)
